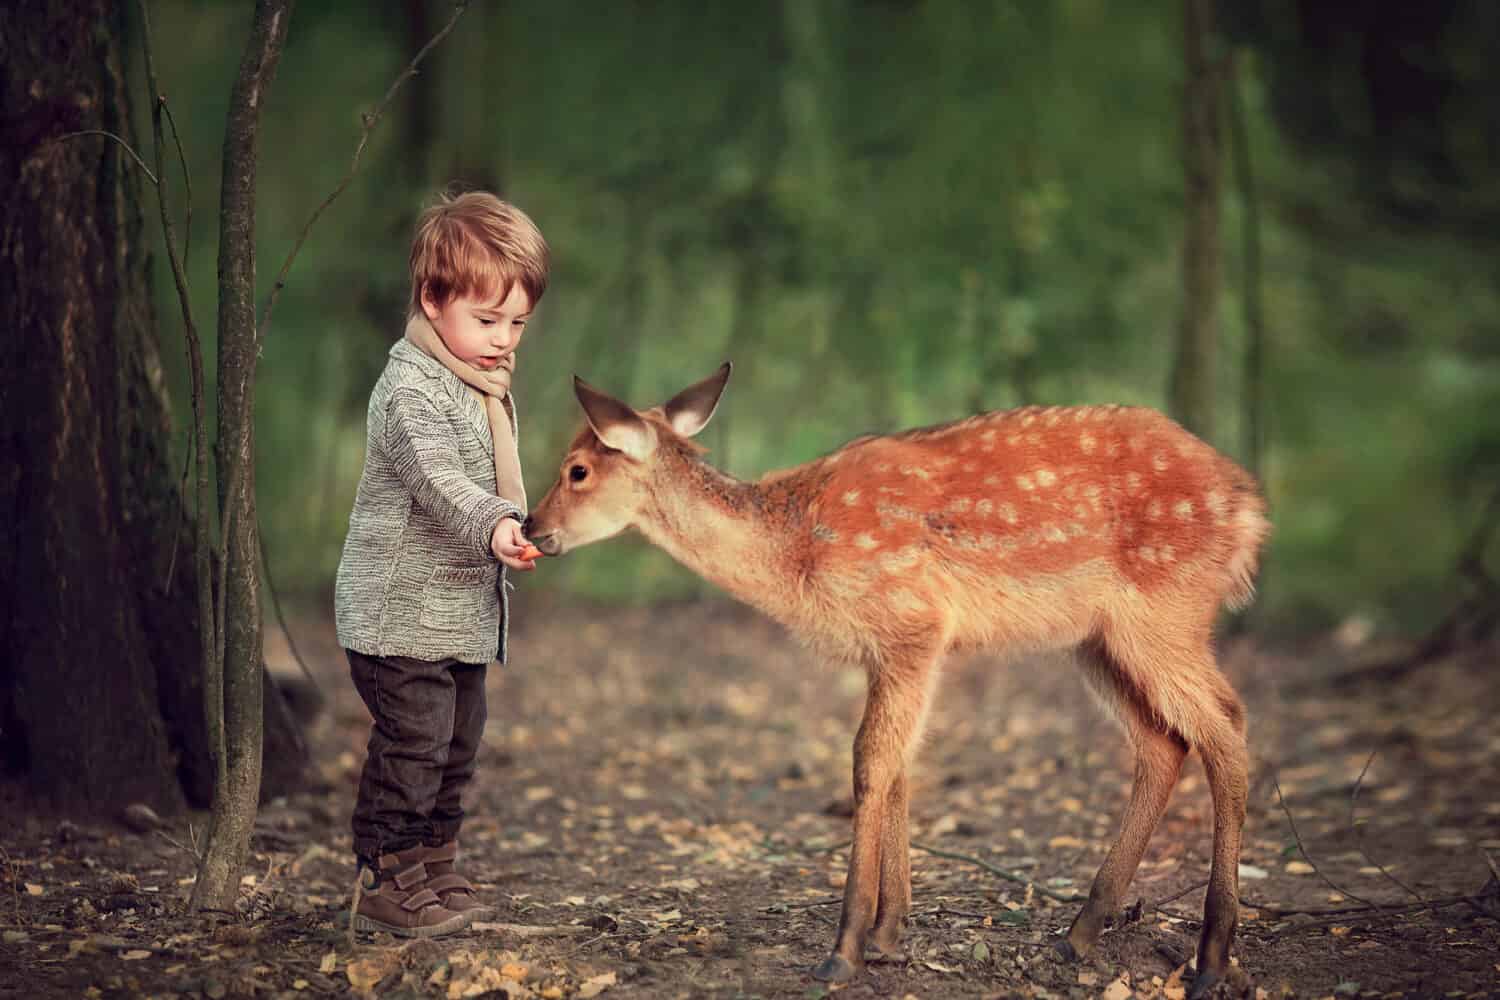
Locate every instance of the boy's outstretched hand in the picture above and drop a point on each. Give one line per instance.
(511, 547)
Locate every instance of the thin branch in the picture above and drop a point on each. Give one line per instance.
(370, 119)
(265, 562)
(123, 145)
(1004, 873)
(213, 675)
(1300, 847)
(187, 184)
(1359, 833)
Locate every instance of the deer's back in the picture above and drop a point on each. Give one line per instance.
(1020, 525)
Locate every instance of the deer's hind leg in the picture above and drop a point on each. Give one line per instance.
(1158, 760)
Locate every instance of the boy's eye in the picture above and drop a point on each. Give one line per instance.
(578, 473)
(486, 322)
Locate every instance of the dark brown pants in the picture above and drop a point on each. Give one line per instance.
(429, 720)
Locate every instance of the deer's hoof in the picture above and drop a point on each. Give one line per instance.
(835, 969)
(1204, 983)
(887, 944)
(1063, 949)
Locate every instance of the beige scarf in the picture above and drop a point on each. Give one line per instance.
(493, 389)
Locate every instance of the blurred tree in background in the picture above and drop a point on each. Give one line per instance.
(889, 213)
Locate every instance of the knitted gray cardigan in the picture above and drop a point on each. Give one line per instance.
(417, 577)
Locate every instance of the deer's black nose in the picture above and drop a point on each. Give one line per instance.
(526, 526)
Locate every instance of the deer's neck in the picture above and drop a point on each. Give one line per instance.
(740, 536)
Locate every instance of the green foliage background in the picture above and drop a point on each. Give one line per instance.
(885, 213)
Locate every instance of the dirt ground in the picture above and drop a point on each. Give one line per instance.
(662, 811)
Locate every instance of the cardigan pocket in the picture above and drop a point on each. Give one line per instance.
(458, 598)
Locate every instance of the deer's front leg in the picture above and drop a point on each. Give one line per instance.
(893, 713)
(895, 872)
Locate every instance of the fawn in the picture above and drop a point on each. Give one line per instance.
(1107, 528)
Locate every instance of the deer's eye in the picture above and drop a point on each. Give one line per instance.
(578, 473)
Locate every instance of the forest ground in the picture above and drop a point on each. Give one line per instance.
(662, 806)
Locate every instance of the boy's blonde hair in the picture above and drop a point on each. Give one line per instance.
(476, 244)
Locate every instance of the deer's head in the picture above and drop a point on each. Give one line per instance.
(605, 478)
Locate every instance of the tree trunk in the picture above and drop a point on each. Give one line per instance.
(1192, 388)
(100, 691)
(236, 795)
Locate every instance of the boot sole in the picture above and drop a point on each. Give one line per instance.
(449, 926)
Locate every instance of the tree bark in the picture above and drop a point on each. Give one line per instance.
(1192, 387)
(237, 793)
(100, 691)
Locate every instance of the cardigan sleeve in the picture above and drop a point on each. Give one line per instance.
(422, 448)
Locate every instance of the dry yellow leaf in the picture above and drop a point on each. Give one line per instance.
(32, 889)
(329, 963)
(595, 985)
(515, 970)
(1057, 843)
(1117, 990)
(1298, 868)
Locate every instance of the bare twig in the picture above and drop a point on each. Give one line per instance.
(212, 669)
(1004, 873)
(1303, 849)
(531, 930)
(265, 562)
(370, 119)
(187, 184)
(1359, 832)
(15, 883)
(123, 145)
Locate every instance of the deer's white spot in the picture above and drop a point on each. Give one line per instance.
(1087, 442)
(1168, 554)
(1153, 510)
(1217, 504)
(1147, 553)
(1132, 482)
(1024, 481)
(984, 508)
(916, 471)
(866, 541)
(1184, 510)
(1055, 534)
(959, 505)
(1045, 477)
(901, 559)
(1080, 510)
(1159, 462)
(1008, 512)
(824, 533)
(851, 497)
(1076, 529)
(1028, 420)
(1081, 414)
(1013, 439)
(1137, 442)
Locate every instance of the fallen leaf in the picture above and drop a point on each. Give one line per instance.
(1087, 978)
(515, 970)
(1252, 872)
(32, 889)
(1117, 990)
(1338, 931)
(329, 963)
(1298, 868)
(981, 952)
(595, 985)
(939, 967)
(1060, 842)
(1173, 989)
(538, 793)
(366, 973)
(135, 955)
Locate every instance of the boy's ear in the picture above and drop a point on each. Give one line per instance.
(616, 424)
(690, 410)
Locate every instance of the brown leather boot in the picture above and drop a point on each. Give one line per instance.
(397, 899)
(456, 892)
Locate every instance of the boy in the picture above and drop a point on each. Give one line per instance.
(420, 602)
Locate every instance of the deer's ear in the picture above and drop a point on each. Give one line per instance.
(616, 424)
(689, 411)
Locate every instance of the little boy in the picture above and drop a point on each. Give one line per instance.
(420, 601)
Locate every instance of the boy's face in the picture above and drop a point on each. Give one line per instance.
(481, 333)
